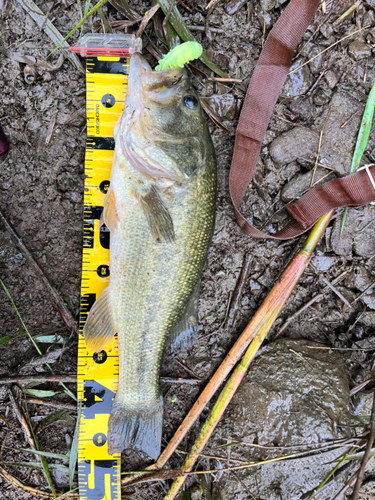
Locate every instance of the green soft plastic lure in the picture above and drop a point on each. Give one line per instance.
(180, 55)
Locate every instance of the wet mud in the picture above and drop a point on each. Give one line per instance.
(41, 194)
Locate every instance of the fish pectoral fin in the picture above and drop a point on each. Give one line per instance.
(157, 214)
(109, 214)
(184, 332)
(99, 329)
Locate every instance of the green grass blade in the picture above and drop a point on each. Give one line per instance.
(46, 470)
(363, 135)
(18, 314)
(87, 7)
(66, 389)
(38, 466)
(74, 449)
(8, 338)
(41, 453)
(67, 493)
(59, 416)
(85, 17)
(39, 393)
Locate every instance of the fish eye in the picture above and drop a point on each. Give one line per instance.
(190, 101)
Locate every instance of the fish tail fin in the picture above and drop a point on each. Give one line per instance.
(135, 428)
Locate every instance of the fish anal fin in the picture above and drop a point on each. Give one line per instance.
(109, 214)
(157, 214)
(184, 332)
(139, 429)
(99, 329)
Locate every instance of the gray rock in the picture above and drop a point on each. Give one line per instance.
(358, 235)
(369, 18)
(358, 279)
(299, 82)
(66, 182)
(223, 105)
(369, 300)
(302, 107)
(316, 62)
(367, 318)
(322, 96)
(326, 30)
(359, 50)
(234, 5)
(331, 79)
(338, 143)
(362, 402)
(351, 29)
(297, 142)
(10, 257)
(322, 262)
(265, 17)
(301, 183)
(292, 394)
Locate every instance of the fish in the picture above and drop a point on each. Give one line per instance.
(160, 211)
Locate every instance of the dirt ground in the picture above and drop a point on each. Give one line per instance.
(41, 195)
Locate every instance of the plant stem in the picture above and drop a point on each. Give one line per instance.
(256, 331)
(362, 139)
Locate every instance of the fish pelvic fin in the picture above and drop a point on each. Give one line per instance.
(99, 329)
(157, 214)
(138, 429)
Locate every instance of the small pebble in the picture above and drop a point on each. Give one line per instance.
(359, 50)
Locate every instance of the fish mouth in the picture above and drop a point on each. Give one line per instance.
(141, 71)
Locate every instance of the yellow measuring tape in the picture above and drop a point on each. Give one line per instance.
(98, 472)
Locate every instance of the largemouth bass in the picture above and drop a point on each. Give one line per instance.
(160, 210)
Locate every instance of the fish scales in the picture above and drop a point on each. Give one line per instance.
(160, 210)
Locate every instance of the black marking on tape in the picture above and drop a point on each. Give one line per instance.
(103, 186)
(100, 468)
(103, 271)
(106, 143)
(104, 237)
(100, 357)
(99, 439)
(108, 100)
(97, 399)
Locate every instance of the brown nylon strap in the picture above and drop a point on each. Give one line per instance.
(268, 78)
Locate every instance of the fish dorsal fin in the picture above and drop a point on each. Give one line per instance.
(99, 329)
(109, 214)
(184, 332)
(157, 214)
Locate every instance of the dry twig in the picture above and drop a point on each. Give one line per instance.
(319, 146)
(38, 378)
(339, 294)
(228, 80)
(308, 304)
(330, 47)
(146, 19)
(31, 490)
(52, 404)
(350, 119)
(22, 420)
(366, 456)
(238, 291)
